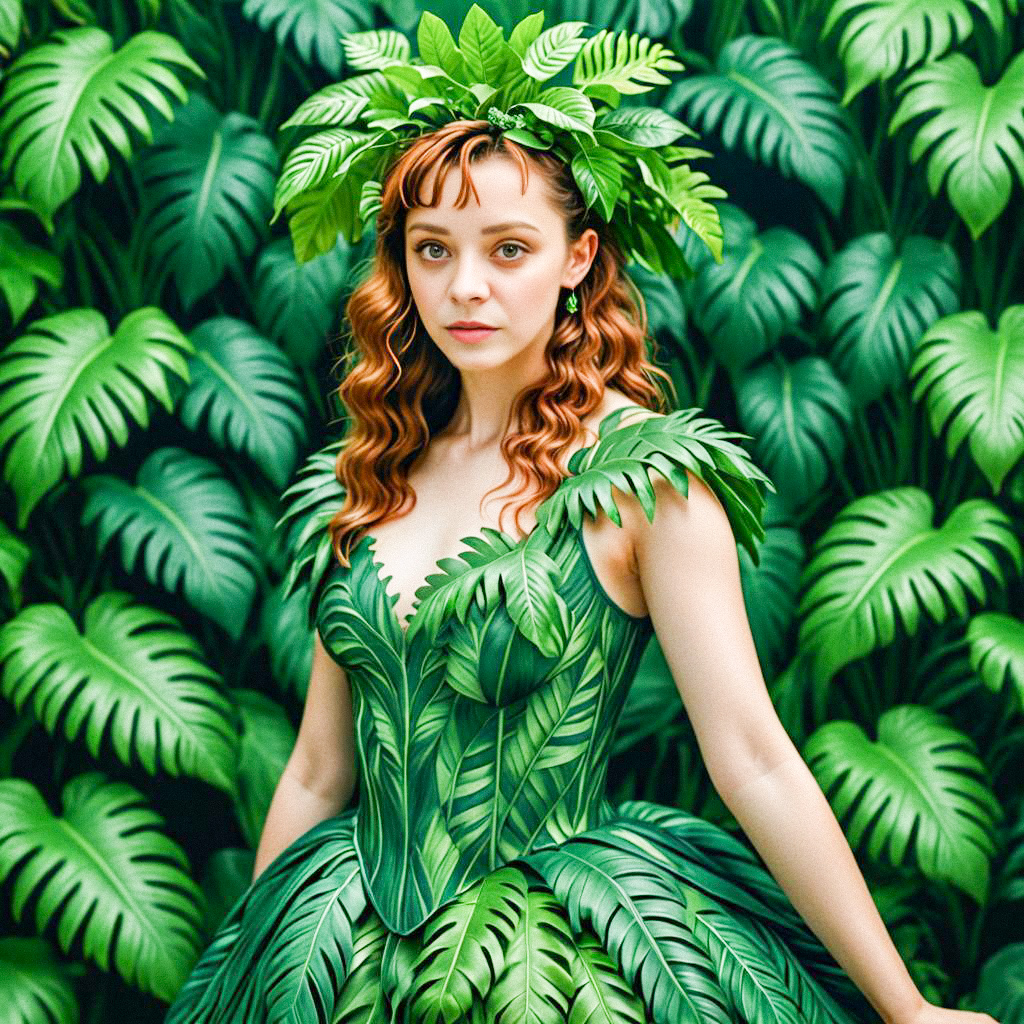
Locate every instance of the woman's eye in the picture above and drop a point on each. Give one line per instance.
(429, 245)
(433, 255)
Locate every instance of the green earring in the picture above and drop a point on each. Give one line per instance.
(571, 303)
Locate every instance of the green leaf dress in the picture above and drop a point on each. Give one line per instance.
(482, 875)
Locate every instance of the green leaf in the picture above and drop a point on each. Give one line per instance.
(284, 630)
(11, 20)
(63, 99)
(313, 29)
(920, 784)
(977, 132)
(133, 675)
(14, 559)
(297, 304)
(527, 576)
(245, 393)
(886, 37)
(968, 376)
(21, 265)
(639, 912)
(753, 986)
(782, 108)
(376, 49)
(465, 947)
(766, 284)
(602, 995)
(341, 103)
(106, 874)
(798, 414)
(622, 62)
(482, 45)
(669, 445)
(34, 987)
(996, 644)
(878, 297)
(68, 380)
(1001, 983)
(642, 126)
(437, 46)
(771, 588)
(208, 181)
(881, 555)
(599, 176)
(187, 521)
(536, 985)
(524, 33)
(267, 741)
(553, 50)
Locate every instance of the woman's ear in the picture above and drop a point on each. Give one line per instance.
(581, 258)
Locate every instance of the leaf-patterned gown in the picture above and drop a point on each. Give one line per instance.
(482, 875)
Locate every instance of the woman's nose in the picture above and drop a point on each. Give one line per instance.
(469, 280)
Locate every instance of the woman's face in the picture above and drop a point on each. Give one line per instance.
(500, 262)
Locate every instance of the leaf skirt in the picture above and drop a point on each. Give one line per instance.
(654, 916)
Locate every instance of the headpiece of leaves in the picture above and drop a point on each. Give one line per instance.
(331, 181)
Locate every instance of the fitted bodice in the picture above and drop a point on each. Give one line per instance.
(484, 731)
(474, 745)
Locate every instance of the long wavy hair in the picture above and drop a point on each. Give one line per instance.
(400, 389)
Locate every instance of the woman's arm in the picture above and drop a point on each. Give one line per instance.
(319, 777)
(687, 566)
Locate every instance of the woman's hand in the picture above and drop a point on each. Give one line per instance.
(928, 1013)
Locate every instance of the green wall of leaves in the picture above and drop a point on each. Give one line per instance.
(165, 369)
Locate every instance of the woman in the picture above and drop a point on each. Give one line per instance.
(483, 875)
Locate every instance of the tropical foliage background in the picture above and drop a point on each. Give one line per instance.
(166, 366)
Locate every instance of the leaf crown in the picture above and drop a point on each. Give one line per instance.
(331, 182)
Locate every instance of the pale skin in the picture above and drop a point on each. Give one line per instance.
(681, 569)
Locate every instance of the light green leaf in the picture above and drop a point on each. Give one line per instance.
(314, 30)
(14, 559)
(21, 266)
(785, 113)
(878, 297)
(482, 46)
(535, 985)
(553, 49)
(969, 377)
(996, 644)
(106, 875)
(886, 37)
(766, 284)
(611, 63)
(798, 414)
(245, 393)
(375, 49)
(65, 97)
(465, 946)
(921, 784)
(132, 676)
(882, 555)
(267, 741)
(187, 522)
(209, 183)
(68, 380)
(977, 132)
(34, 986)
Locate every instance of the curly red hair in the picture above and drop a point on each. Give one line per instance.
(400, 389)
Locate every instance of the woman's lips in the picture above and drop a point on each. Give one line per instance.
(472, 333)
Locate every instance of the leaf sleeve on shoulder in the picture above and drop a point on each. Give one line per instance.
(624, 457)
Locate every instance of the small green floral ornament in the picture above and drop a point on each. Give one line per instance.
(331, 181)
(571, 303)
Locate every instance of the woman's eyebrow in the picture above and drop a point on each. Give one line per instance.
(493, 229)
